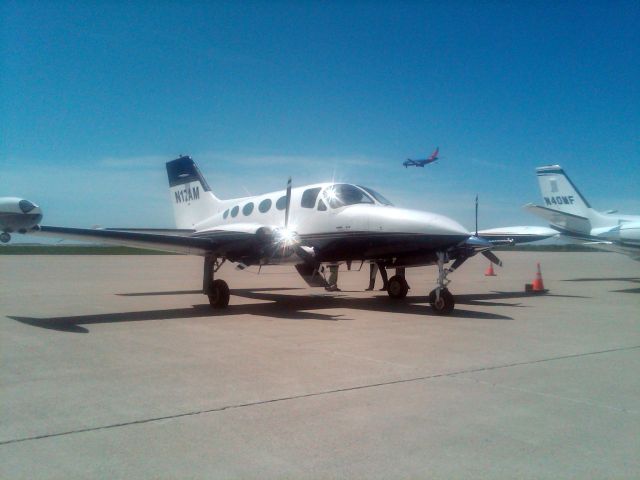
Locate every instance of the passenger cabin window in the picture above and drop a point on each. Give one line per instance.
(234, 211)
(309, 197)
(281, 204)
(247, 209)
(226, 213)
(265, 205)
(343, 194)
(321, 205)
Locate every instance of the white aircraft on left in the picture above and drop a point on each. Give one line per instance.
(17, 215)
(310, 226)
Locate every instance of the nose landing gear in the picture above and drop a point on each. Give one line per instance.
(440, 298)
(5, 237)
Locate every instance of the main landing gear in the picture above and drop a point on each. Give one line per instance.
(216, 290)
(5, 237)
(440, 298)
(397, 287)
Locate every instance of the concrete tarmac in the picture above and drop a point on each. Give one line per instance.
(115, 367)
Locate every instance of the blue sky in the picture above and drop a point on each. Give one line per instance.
(96, 97)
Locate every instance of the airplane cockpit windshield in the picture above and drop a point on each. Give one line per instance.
(343, 194)
(378, 196)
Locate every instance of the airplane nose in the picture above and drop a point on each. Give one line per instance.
(452, 227)
(414, 221)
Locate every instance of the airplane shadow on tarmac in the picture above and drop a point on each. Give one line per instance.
(611, 279)
(282, 306)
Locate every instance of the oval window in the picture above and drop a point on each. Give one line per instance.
(234, 211)
(265, 205)
(226, 213)
(281, 204)
(247, 209)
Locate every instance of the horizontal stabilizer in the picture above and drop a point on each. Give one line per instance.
(566, 221)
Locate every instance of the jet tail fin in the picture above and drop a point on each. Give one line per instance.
(559, 192)
(191, 195)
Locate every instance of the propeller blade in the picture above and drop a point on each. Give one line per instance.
(286, 211)
(492, 258)
(476, 214)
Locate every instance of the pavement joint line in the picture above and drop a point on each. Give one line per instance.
(313, 394)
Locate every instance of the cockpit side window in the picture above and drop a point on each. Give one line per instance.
(321, 205)
(379, 197)
(309, 197)
(343, 194)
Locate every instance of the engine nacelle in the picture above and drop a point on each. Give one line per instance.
(625, 232)
(630, 232)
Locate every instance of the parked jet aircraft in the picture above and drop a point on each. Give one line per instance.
(421, 163)
(308, 226)
(570, 214)
(17, 215)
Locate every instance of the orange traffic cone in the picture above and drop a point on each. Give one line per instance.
(489, 271)
(538, 285)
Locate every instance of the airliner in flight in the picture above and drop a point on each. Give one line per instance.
(569, 212)
(310, 226)
(421, 163)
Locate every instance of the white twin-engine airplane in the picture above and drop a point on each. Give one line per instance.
(570, 214)
(309, 226)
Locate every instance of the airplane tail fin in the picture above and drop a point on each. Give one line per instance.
(191, 195)
(559, 193)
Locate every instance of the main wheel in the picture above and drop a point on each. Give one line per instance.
(443, 305)
(219, 296)
(5, 237)
(397, 287)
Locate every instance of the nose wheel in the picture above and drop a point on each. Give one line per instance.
(440, 298)
(5, 237)
(443, 303)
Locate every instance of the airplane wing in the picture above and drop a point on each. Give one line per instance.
(220, 242)
(566, 221)
(515, 235)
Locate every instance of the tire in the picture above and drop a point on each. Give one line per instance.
(446, 303)
(219, 297)
(397, 287)
(5, 237)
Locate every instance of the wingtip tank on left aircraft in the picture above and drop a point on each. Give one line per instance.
(310, 226)
(17, 215)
